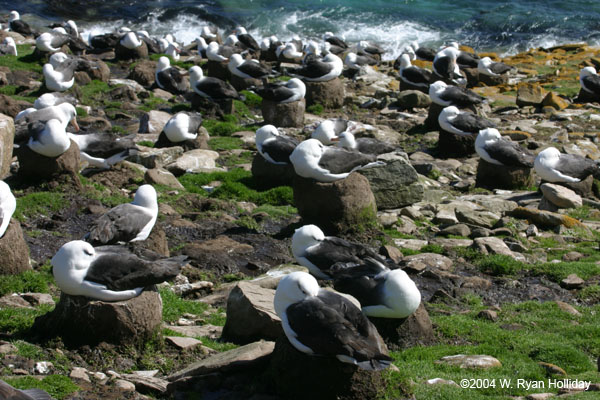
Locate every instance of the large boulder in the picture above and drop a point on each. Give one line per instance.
(34, 166)
(409, 99)
(14, 253)
(492, 176)
(321, 377)
(7, 137)
(584, 188)
(329, 94)
(269, 175)
(143, 73)
(495, 80)
(561, 196)
(284, 115)
(395, 184)
(454, 145)
(530, 94)
(403, 333)
(12, 107)
(347, 205)
(195, 161)
(251, 315)
(80, 320)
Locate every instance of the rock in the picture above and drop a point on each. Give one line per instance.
(395, 184)
(183, 343)
(124, 386)
(42, 367)
(143, 73)
(412, 244)
(552, 369)
(156, 158)
(329, 94)
(555, 101)
(470, 361)
(568, 308)
(493, 245)
(250, 315)
(453, 145)
(531, 231)
(123, 53)
(11, 107)
(544, 219)
(153, 121)
(392, 252)
(445, 215)
(490, 315)
(219, 254)
(322, 377)
(485, 219)
(347, 205)
(147, 384)
(195, 161)
(156, 242)
(253, 355)
(207, 330)
(36, 167)
(414, 330)
(419, 262)
(163, 177)
(572, 256)
(572, 282)
(409, 99)
(14, 301)
(130, 83)
(268, 175)
(286, 115)
(495, 80)
(539, 396)
(440, 381)
(584, 188)
(492, 176)
(14, 252)
(38, 299)
(456, 230)
(80, 374)
(7, 137)
(561, 196)
(530, 94)
(80, 320)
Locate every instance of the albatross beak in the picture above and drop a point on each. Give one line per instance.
(335, 139)
(74, 123)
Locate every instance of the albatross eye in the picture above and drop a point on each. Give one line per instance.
(88, 252)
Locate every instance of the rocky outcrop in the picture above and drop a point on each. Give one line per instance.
(14, 253)
(414, 330)
(284, 115)
(36, 167)
(7, 137)
(329, 94)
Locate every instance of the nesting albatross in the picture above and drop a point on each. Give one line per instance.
(492, 148)
(209, 87)
(590, 80)
(128, 222)
(274, 148)
(449, 95)
(452, 120)
(110, 273)
(170, 78)
(321, 322)
(553, 166)
(290, 91)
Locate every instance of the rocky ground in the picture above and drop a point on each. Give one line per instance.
(498, 276)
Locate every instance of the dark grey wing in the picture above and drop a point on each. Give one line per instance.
(510, 154)
(577, 166)
(68, 68)
(254, 69)
(44, 115)
(35, 129)
(314, 69)
(339, 161)
(217, 89)
(105, 41)
(195, 122)
(500, 68)
(330, 324)
(226, 51)
(172, 80)
(280, 149)
(7, 392)
(248, 41)
(21, 27)
(472, 123)
(592, 82)
(425, 53)
(336, 41)
(460, 97)
(467, 60)
(374, 49)
(366, 60)
(333, 250)
(153, 47)
(416, 75)
(59, 39)
(444, 66)
(105, 145)
(373, 146)
(120, 224)
(359, 281)
(120, 269)
(276, 93)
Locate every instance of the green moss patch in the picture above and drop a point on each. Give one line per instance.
(28, 281)
(58, 386)
(40, 203)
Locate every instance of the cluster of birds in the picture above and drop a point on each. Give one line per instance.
(316, 321)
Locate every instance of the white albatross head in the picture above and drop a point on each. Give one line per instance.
(294, 287)
(145, 197)
(264, 133)
(305, 237)
(70, 265)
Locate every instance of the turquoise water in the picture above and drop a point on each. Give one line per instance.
(507, 26)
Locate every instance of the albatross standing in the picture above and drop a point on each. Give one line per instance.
(128, 222)
(321, 322)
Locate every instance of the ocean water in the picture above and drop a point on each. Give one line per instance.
(505, 26)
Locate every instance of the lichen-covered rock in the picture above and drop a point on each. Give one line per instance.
(555, 101)
(163, 177)
(284, 115)
(395, 184)
(14, 253)
(329, 94)
(530, 94)
(251, 315)
(495, 80)
(544, 219)
(347, 205)
(7, 137)
(79, 320)
(492, 176)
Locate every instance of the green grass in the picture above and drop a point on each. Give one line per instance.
(548, 335)
(147, 143)
(221, 143)
(223, 128)
(231, 160)
(174, 307)
(565, 87)
(278, 212)
(58, 386)
(17, 321)
(252, 99)
(497, 264)
(24, 60)
(152, 103)
(40, 203)
(590, 294)
(27, 281)
(94, 93)
(316, 109)
(239, 185)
